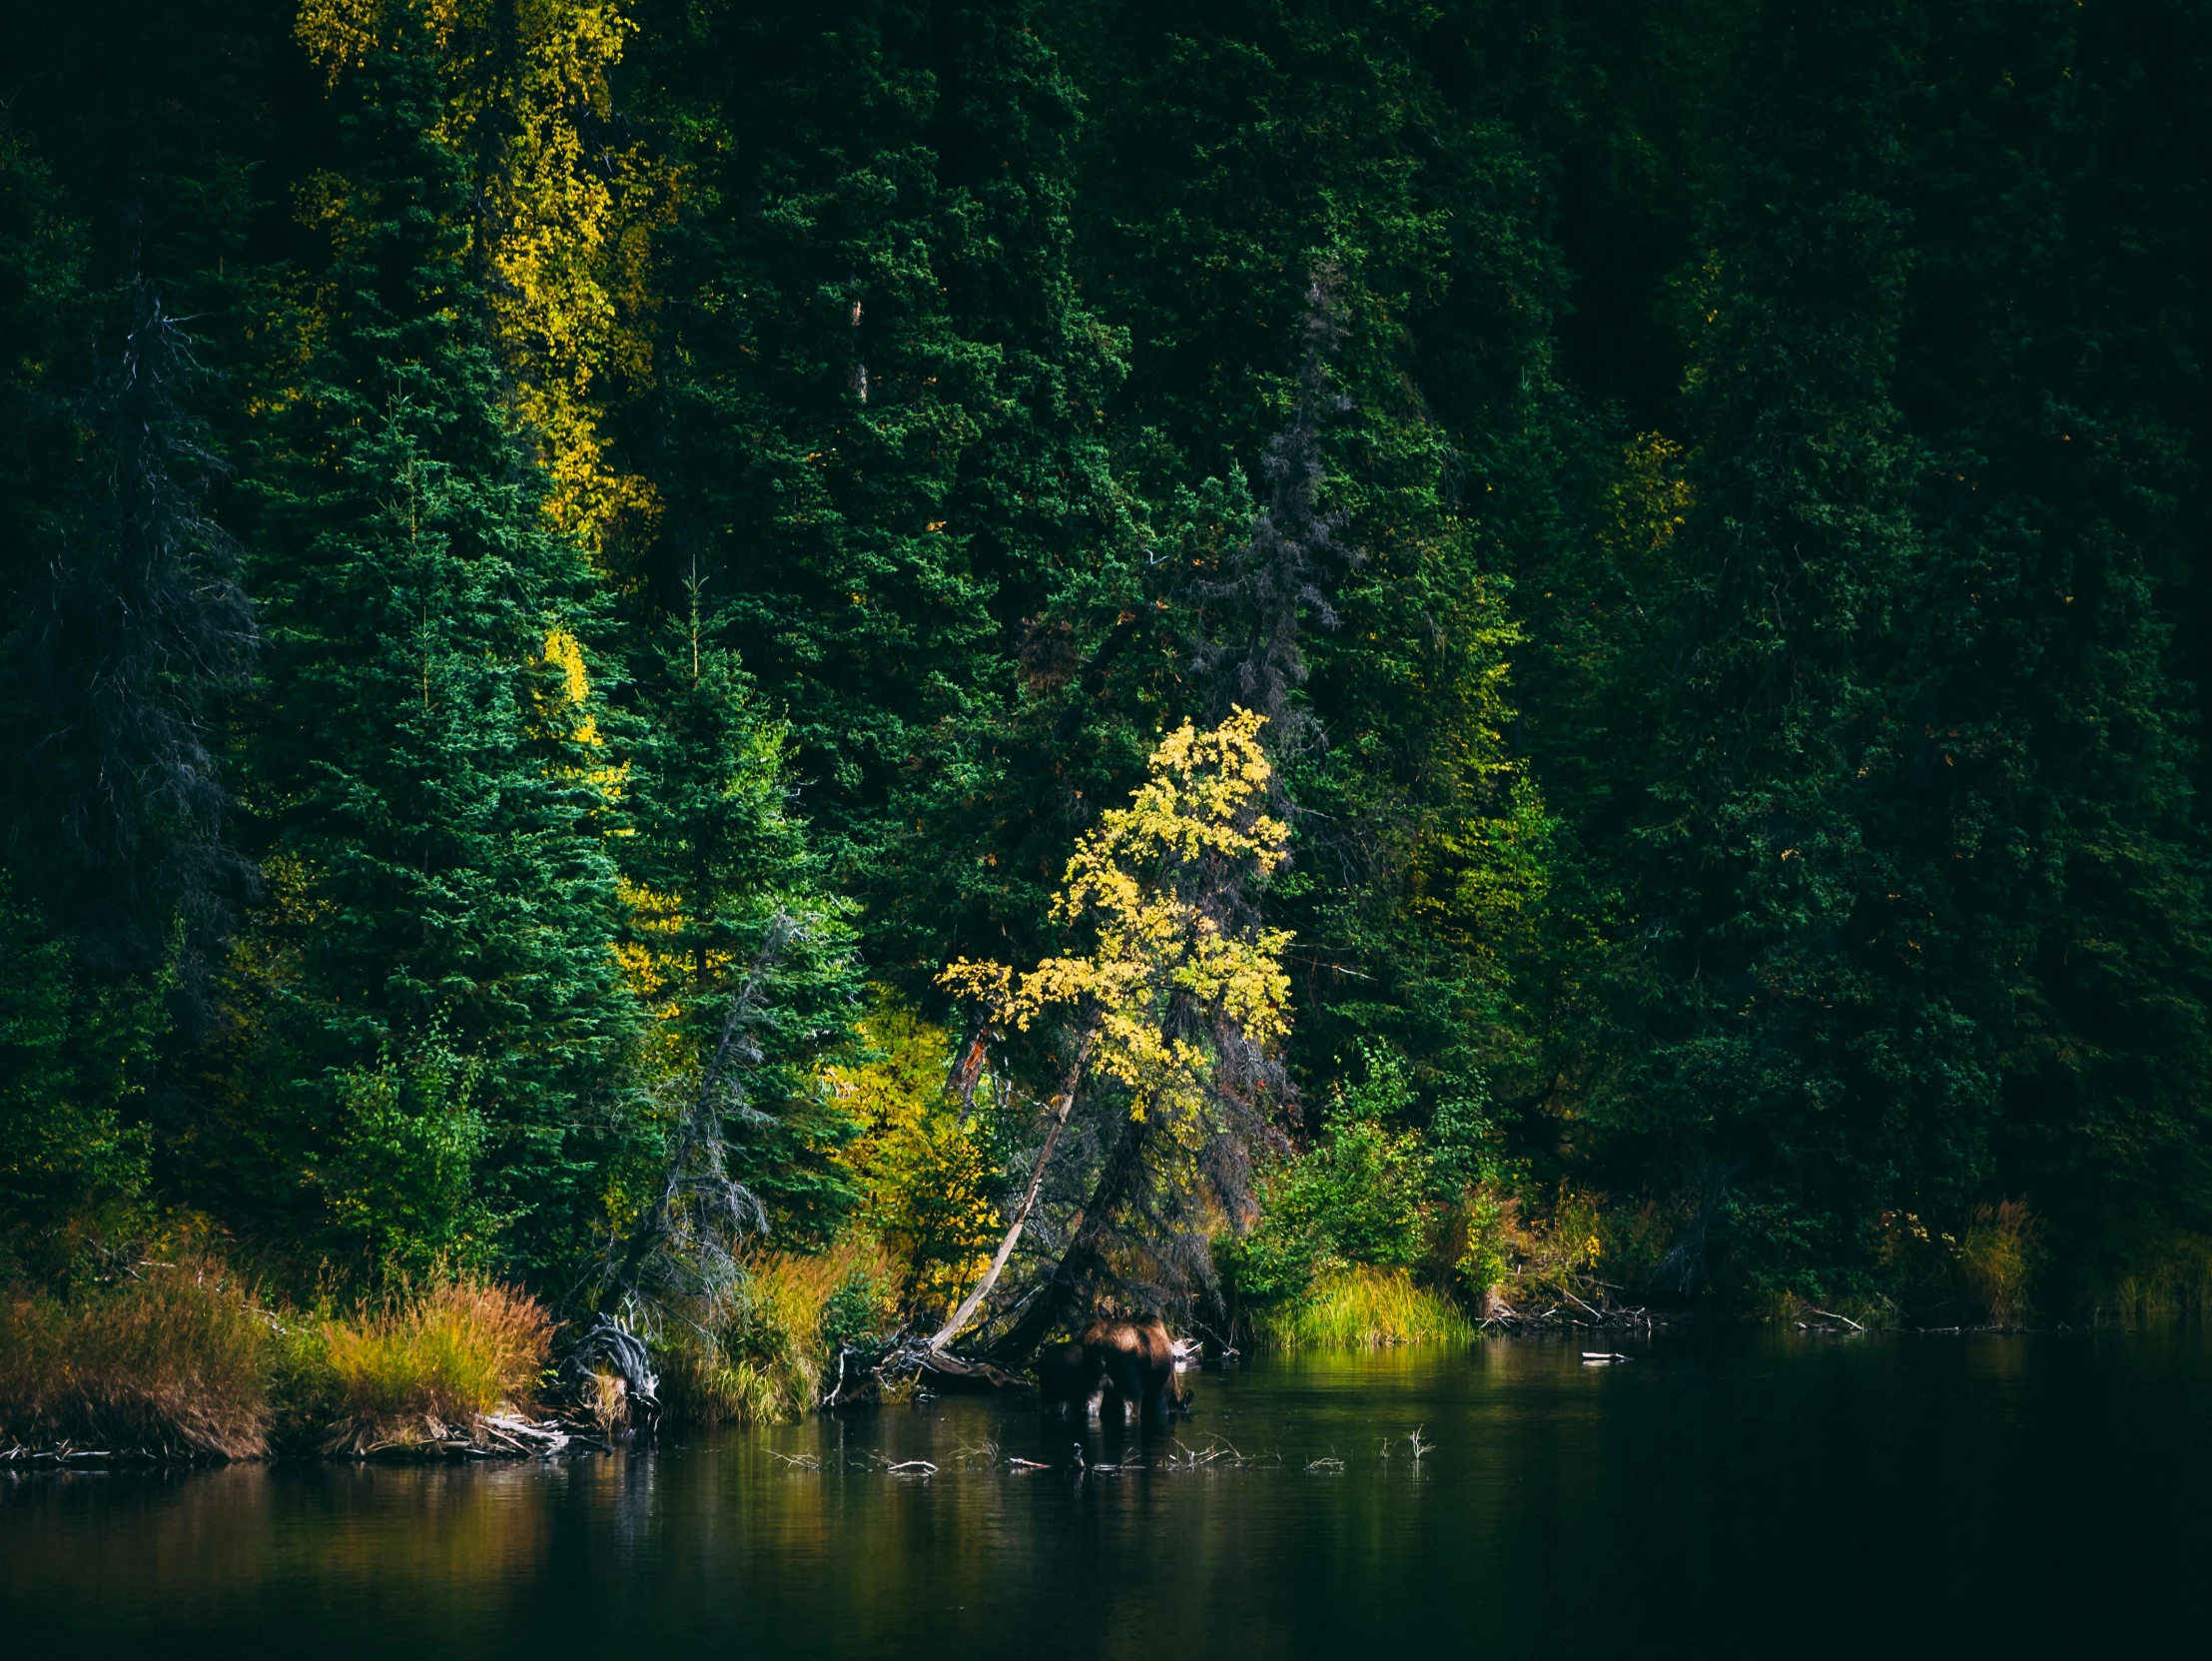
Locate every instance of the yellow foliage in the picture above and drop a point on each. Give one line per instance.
(1650, 500)
(1200, 804)
(921, 1164)
(566, 711)
(565, 228)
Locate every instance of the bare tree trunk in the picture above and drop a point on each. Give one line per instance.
(1085, 1252)
(702, 1124)
(1065, 1104)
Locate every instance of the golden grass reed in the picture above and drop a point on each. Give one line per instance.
(175, 1362)
(1363, 1306)
(764, 1363)
(451, 1352)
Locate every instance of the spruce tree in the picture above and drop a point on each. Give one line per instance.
(1791, 1050)
(429, 774)
(882, 436)
(2047, 759)
(725, 889)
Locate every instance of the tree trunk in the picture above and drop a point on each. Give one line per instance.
(1086, 1253)
(1064, 1105)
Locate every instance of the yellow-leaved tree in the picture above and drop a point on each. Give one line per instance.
(1181, 989)
(565, 219)
(921, 1160)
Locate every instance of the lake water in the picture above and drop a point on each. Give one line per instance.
(1753, 1493)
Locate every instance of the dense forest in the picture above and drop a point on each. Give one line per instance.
(1009, 655)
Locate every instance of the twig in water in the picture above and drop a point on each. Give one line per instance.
(1845, 1320)
(907, 1465)
(1420, 1447)
(803, 1461)
(1324, 1463)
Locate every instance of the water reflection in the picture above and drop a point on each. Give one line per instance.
(1713, 1485)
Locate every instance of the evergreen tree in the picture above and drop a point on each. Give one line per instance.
(1231, 158)
(429, 774)
(882, 436)
(724, 889)
(138, 624)
(2046, 762)
(1792, 1024)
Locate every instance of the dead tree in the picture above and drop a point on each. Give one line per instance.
(685, 1245)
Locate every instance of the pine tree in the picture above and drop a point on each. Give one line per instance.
(882, 436)
(724, 887)
(431, 780)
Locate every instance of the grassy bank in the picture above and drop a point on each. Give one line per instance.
(763, 1357)
(178, 1363)
(185, 1361)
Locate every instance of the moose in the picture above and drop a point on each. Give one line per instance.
(1110, 1367)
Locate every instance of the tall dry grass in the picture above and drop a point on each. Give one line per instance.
(398, 1371)
(762, 1361)
(175, 1362)
(2172, 1281)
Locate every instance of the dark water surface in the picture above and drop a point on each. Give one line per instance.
(1722, 1493)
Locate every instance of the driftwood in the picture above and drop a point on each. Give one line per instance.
(488, 1436)
(1604, 1316)
(863, 1375)
(610, 1346)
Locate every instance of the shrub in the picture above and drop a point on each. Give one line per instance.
(2172, 1277)
(1994, 1258)
(1357, 1197)
(762, 1359)
(401, 1179)
(175, 1362)
(857, 1314)
(452, 1353)
(926, 1169)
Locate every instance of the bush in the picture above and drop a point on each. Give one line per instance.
(927, 1170)
(762, 1359)
(1994, 1258)
(175, 1362)
(1357, 1197)
(390, 1373)
(2172, 1277)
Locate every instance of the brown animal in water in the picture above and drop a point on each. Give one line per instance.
(1137, 1365)
(1113, 1366)
(1068, 1380)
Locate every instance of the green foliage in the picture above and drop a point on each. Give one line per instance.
(1355, 1198)
(858, 1312)
(712, 852)
(426, 756)
(402, 1177)
(76, 1059)
(1710, 497)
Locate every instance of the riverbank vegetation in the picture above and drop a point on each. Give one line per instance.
(777, 690)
